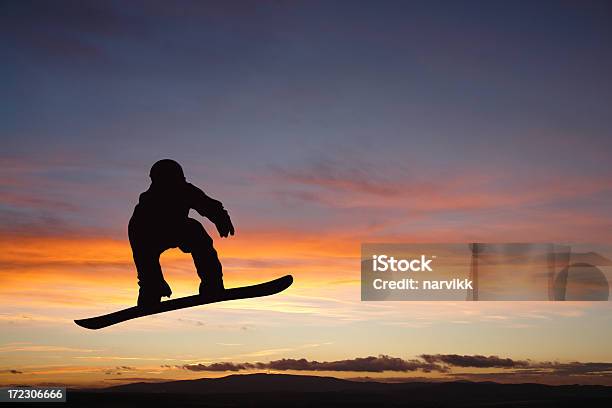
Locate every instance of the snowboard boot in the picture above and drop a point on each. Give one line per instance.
(151, 295)
(212, 287)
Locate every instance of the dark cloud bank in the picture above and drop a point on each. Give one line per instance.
(366, 364)
(441, 363)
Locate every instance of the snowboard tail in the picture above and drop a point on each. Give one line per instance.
(244, 292)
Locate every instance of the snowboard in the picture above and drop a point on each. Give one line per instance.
(263, 289)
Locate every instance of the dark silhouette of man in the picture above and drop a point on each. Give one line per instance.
(160, 221)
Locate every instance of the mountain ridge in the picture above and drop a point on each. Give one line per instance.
(282, 390)
(264, 382)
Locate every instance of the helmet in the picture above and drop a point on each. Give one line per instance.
(167, 171)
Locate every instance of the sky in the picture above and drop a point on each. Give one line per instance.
(320, 125)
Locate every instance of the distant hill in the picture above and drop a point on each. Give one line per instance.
(280, 390)
(241, 383)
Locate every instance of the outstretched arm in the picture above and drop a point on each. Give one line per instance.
(211, 209)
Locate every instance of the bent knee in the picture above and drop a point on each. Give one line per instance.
(193, 228)
(195, 236)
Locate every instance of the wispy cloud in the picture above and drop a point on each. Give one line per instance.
(8, 348)
(119, 370)
(11, 372)
(383, 185)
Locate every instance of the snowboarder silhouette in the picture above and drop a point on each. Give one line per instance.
(161, 221)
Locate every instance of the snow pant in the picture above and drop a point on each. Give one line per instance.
(149, 241)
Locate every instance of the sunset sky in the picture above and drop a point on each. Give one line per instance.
(320, 125)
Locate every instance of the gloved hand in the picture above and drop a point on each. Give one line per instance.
(223, 223)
